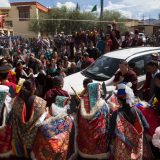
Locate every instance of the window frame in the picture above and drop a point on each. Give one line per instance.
(24, 13)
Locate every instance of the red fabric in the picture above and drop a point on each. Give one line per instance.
(51, 95)
(114, 101)
(90, 61)
(91, 139)
(24, 112)
(12, 77)
(152, 118)
(109, 43)
(86, 103)
(87, 63)
(10, 84)
(122, 151)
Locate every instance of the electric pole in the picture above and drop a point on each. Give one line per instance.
(102, 7)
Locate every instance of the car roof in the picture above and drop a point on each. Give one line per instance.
(126, 53)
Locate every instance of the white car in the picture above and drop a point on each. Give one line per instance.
(105, 67)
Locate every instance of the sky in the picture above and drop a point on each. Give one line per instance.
(130, 8)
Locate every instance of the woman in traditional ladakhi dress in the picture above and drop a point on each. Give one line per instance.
(152, 112)
(5, 128)
(93, 119)
(28, 112)
(55, 138)
(127, 129)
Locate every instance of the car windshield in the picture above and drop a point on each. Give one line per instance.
(103, 68)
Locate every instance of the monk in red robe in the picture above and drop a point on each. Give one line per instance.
(57, 90)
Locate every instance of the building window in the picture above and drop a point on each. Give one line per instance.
(8, 24)
(24, 13)
(11, 33)
(6, 32)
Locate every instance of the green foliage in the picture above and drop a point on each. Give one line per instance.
(48, 24)
(113, 16)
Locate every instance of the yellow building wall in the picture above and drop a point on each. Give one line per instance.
(131, 23)
(22, 27)
(148, 30)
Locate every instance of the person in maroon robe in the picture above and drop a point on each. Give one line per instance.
(126, 74)
(57, 90)
(137, 41)
(127, 41)
(87, 61)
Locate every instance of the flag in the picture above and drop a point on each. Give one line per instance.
(94, 8)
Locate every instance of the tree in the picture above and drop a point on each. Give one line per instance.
(113, 16)
(69, 21)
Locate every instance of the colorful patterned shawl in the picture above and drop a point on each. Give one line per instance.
(24, 132)
(55, 139)
(128, 143)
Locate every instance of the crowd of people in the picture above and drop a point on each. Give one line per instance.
(41, 121)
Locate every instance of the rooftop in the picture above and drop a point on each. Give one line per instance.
(37, 4)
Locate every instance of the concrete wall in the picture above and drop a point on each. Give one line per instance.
(22, 27)
(131, 23)
(148, 30)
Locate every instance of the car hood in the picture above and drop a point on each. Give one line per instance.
(76, 81)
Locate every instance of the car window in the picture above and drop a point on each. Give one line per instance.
(147, 58)
(138, 65)
(104, 67)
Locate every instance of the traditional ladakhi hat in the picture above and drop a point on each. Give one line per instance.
(94, 91)
(60, 107)
(125, 92)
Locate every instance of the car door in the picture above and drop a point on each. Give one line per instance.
(138, 65)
